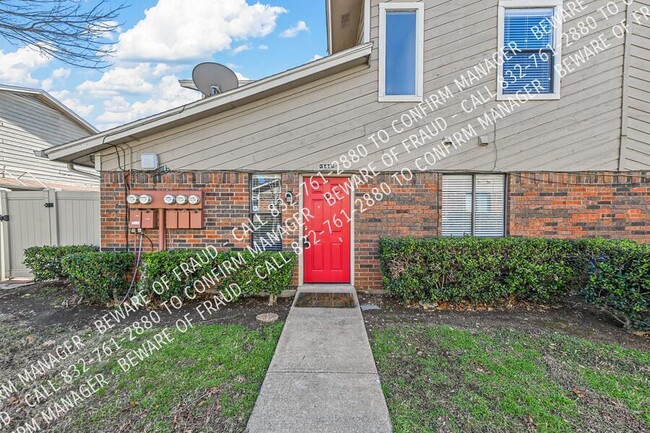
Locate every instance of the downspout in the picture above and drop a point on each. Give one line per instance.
(328, 18)
(622, 150)
(72, 168)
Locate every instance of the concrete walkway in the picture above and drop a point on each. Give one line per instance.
(322, 377)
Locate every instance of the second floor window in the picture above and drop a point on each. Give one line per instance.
(401, 51)
(530, 47)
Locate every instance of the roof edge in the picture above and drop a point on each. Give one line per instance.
(205, 107)
(55, 102)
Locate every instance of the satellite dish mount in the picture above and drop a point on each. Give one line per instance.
(214, 78)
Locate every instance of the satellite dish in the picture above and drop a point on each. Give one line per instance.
(214, 78)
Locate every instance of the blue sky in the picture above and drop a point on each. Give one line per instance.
(161, 40)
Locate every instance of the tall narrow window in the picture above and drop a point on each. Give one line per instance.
(266, 190)
(401, 51)
(530, 40)
(473, 205)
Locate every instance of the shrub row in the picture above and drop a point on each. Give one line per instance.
(103, 277)
(618, 280)
(45, 261)
(99, 277)
(183, 273)
(614, 275)
(480, 270)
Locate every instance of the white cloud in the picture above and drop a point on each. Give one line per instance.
(107, 29)
(122, 79)
(292, 32)
(174, 30)
(241, 48)
(55, 77)
(166, 94)
(316, 57)
(263, 47)
(17, 67)
(73, 103)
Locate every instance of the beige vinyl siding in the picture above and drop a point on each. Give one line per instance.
(28, 124)
(316, 123)
(637, 152)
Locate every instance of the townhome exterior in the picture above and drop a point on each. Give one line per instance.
(42, 202)
(428, 118)
(32, 120)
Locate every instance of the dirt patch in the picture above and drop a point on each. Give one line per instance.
(572, 318)
(43, 305)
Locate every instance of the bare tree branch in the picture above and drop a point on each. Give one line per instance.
(76, 32)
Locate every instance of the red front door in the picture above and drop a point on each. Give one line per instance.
(327, 230)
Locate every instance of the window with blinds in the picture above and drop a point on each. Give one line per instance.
(266, 190)
(473, 205)
(531, 47)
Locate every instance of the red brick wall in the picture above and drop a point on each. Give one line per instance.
(539, 204)
(573, 205)
(410, 210)
(226, 202)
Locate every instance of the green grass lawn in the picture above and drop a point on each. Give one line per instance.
(207, 379)
(439, 378)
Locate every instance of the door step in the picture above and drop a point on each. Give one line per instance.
(325, 300)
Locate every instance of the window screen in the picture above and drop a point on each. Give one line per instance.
(534, 56)
(457, 205)
(473, 205)
(489, 192)
(400, 52)
(266, 190)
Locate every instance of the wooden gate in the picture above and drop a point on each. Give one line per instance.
(30, 218)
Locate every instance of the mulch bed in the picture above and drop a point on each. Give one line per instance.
(571, 318)
(54, 304)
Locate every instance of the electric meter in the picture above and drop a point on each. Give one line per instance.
(181, 199)
(132, 199)
(194, 199)
(169, 199)
(145, 199)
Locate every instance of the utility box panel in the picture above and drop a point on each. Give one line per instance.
(143, 219)
(171, 219)
(183, 219)
(196, 219)
(149, 219)
(135, 219)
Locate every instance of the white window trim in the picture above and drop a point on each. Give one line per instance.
(557, 37)
(418, 7)
(367, 10)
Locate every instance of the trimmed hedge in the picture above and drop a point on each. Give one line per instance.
(479, 270)
(99, 277)
(613, 275)
(45, 261)
(618, 280)
(163, 274)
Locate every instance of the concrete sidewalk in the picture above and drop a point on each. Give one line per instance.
(322, 377)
